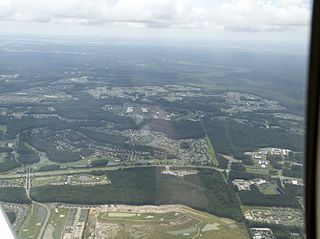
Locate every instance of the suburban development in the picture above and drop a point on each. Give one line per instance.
(124, 145)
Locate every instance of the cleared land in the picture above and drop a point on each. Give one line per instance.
(165, 222)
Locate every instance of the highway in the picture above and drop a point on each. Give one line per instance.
(88, 170)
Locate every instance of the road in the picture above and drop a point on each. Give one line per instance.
(46, 220)
(27, 186)
(88, 170)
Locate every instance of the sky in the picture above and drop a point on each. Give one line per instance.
(259, 20)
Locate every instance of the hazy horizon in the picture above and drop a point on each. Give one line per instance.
(283, 22)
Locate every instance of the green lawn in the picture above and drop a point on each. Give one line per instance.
(258, 170)
(32, 225)
(58, 220)
(268, 188)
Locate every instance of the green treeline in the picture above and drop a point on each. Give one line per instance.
(234, 174)
(295, 171)
(50, 167)
(223, 162)
(142, 186)
(9, 163)
(255, 198)
(13, 195)
(99, 163)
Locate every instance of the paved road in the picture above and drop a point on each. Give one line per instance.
(46, 220)
(27, 186)
(87, 170)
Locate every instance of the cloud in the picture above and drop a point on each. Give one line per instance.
(228, 15)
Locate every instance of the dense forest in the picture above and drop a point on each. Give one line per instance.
(13, 195)
(142, 186)
(8, 164)
(181, 129)
(11, 216)
(231, 137)
(255, 198)
(240, 174)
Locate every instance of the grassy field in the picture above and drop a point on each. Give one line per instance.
(56, 224)
(181, 223)
(32, 225)
(140, 217)
(248, 208)
(258, 170)
(3, 128)
(268, 188)
(211, 152)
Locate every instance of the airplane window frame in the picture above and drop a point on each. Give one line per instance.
(312, 126)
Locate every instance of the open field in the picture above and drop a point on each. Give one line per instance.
(268, 188)
(165, 222)
(211, 152)
(3, 128)
(140, 217)
(258, 170)
(57, 222)
(32, 225)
